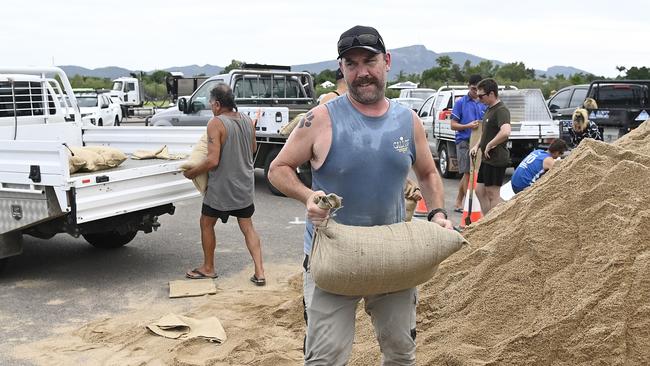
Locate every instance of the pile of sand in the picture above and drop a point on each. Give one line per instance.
(558, 275)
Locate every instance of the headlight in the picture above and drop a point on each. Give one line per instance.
(92, 120)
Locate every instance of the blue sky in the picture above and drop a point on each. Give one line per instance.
(595, 36)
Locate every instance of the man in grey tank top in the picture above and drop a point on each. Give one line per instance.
(360, 146)
(231, 181)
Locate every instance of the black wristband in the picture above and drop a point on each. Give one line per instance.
(435, 211)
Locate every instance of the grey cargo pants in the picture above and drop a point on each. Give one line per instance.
(330, 325)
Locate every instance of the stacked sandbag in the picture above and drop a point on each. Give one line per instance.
(94, 158)
(362, 261)
(199, 153)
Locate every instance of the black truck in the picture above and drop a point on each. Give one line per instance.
(622, 106)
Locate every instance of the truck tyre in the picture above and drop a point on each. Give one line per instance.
(445, 162)
(100, 122)
(117, 121)
(109, 239)
(267, 164)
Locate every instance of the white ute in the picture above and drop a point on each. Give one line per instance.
(39, 119)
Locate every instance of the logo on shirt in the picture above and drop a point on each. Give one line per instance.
(401, 145)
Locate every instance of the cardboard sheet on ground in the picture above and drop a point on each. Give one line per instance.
(183, 327)
(186, 288)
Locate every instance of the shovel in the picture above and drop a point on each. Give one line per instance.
(470, 192)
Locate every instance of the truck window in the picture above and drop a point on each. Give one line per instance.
(203, 93)
(578, 98)
(117, 85)
(560, 100)
(621, 95)
(130, 87)
(426, 108)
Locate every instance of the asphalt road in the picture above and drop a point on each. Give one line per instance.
(65, 282)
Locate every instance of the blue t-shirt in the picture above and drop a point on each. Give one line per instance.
(465, 111)
(529, 170)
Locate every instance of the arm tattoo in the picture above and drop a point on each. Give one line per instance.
(210, 140)
(306, 120)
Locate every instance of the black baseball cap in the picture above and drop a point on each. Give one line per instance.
(361, 36)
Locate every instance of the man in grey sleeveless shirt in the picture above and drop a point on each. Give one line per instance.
(361, 146)
(231, 181)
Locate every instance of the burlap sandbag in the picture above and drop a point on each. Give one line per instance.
(75, 162)
(112, 157)
(94, 161)
(199, 153)
(362, 261)
(162, 153)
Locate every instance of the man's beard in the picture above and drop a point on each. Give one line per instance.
(367, 96)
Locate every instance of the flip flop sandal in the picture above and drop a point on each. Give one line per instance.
(459, 210)
(258, 281)
(196, 274)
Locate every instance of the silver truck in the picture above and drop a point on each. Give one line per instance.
(254, 86)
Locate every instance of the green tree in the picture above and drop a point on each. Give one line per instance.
(515, 71)
(444, 62)
(159, 76)
(638, 73)
(234, 64)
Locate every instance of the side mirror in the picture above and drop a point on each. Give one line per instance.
(424, 114)
(104, 106)
(182, 105)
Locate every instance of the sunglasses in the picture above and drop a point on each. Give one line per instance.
(480, 96)
(363, 39)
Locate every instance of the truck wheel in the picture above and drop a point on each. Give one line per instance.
(100, 122)
(109, 239)
(117, 121)
(445, 162)
(267, 164)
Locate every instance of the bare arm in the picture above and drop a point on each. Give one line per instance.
(427, 174)
(300, 148)
(215, 138)
(548, 163)
(502, 136)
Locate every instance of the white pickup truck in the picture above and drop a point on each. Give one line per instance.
(531, 121)
(39, 196)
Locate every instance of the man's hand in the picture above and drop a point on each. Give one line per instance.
(316, 214)
(474, 124)
(473, 150)
(488, 147)
(189, 174)
(440, 219)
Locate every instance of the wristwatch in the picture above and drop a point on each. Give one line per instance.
(435, 211)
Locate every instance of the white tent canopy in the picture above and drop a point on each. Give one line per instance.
(404, 85)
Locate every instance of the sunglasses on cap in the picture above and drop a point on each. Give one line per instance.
(363, 39)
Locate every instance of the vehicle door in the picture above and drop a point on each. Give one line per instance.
(560, 103)
(199, 111)
(441, 106)
(105, 111)
(131, 93)
(425, 114)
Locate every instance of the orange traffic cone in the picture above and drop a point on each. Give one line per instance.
(421, 208)
(472, 207)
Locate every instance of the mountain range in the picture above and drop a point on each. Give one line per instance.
(411, 59)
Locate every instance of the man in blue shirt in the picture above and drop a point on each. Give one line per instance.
(536, 164)
(466, 115)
